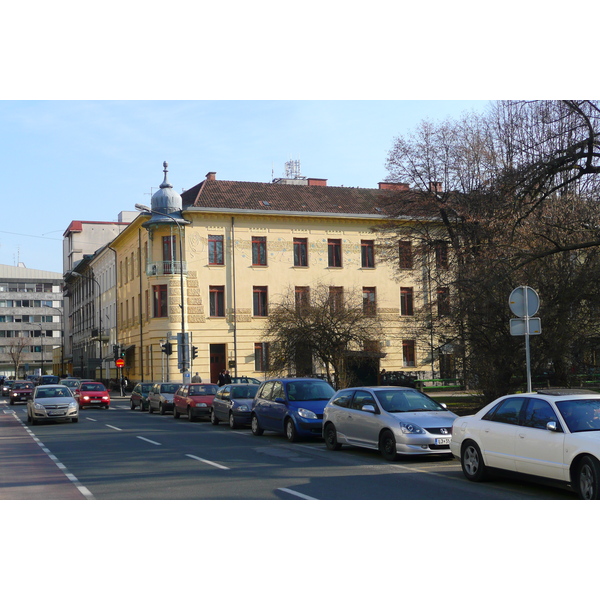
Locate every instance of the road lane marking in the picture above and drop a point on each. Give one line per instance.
(115, 428)
(84, 491)
(149, 441)
(208, 462)
(90, 419)
(294, 493)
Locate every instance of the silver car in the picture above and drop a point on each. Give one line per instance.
(52, 402)
(160, 397)
(393, 420)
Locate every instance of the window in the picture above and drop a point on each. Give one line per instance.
(302, 296)
(336, 299)
(300, 252)
(169, 253)
(406, 301)
(215, 250)
(538, 414)
(507, 411)
(441, 255)
(343, 398)
(160, 301)
(443, 301)
(362, 398)
(334, 253)
(217, 300)
(259, 294)
(369, 301)
(405, 255)
(367, 251)
(408, 353)
(261, 356)
(259, 251)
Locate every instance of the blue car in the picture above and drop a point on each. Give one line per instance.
(291, 406)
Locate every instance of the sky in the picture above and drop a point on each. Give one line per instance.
(90, 160)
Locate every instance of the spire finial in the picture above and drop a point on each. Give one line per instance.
(165, 183)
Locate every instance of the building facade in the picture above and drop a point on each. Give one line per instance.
(232, 249)
(31, 320)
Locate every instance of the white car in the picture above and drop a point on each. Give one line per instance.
(393, 420)
(52, 402)
(554, 436)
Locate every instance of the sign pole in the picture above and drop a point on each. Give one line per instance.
(527, 352)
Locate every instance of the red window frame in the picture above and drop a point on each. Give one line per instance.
(334, 253)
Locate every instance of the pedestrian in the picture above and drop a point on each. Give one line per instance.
(196, 378)
(227, 377)
(221, 378)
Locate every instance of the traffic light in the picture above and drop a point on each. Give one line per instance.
(194, 352)
(167, 348)
(116, 349)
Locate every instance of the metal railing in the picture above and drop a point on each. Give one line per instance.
(165, 268)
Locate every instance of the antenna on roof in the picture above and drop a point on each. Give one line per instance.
(292, 170)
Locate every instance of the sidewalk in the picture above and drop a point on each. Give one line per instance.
(26, 471)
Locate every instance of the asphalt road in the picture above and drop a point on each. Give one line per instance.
(119, 454)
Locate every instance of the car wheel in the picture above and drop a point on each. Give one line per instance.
(331, 437)
(11, 402)
(387, 445)
(290, 431)
(142, 407)
(191, 417)
(75, 420)
(213, 418)
(472, 463)
(28, 417)
(132, 407)
(161, 409)
(588, 478)
(232, 422)
(150, 409)
(175, 412)
(254, 425)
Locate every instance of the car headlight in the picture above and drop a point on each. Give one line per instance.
(15, 394)
(306, 414)
(85, 397)
(38, 406)
(410, 428)
(242, 408)
(73, 404)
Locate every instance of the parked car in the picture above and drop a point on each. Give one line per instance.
(21, 391)
(194, 400)
(92, 393)
(290, 406)
(160, 397)
(6, 386)
(244, 379)
(48, 380)
(233, 403)
(139, 395)
(393, 420)
(52, 402)
(552, 436)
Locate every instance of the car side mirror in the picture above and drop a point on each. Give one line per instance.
(552, 426)
(369, 408)
(280, 400)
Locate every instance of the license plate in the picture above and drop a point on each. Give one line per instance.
(57, 413)
(442, 441)
(95, 401)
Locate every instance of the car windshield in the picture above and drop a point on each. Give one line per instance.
(57, 392)
(72, 383)
(146, 387)
(203, 390)
(582, 414)
(243, 391)
(169, 388)
(92, 387)
(309, 390)
(24, 385)
(406, 401)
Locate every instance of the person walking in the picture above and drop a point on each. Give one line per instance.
(196, 378)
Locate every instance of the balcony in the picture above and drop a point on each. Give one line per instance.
(165, 268)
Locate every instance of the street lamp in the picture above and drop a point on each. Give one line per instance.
(184, 360)
(92, 278)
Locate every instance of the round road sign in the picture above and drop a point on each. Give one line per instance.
(524, 301)
(120, 362)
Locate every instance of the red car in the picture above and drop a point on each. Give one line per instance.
(92, 393)
(194, 400)
(21, 391)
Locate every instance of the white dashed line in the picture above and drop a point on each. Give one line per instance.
(149, 441)
(208, 462)
(298, 494)
(115, 428)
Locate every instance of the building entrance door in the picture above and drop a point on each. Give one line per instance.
(217, 361)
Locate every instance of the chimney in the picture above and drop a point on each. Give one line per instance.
(313, 181)
(388, 185)
(210, 176)
(435, 187)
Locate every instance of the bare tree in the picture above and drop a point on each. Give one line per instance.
(322, 324)
(15, 352)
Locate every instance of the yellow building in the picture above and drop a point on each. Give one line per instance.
(232, 248)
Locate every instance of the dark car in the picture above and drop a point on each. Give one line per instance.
(21, 391)
(160, 397)
(233, 403)
(48, 380)
(139, 395)
(291, 406)
(6, 386)
(194, 400)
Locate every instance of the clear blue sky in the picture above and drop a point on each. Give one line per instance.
(89, 160)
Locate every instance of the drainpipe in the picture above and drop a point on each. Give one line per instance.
(234, 295)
